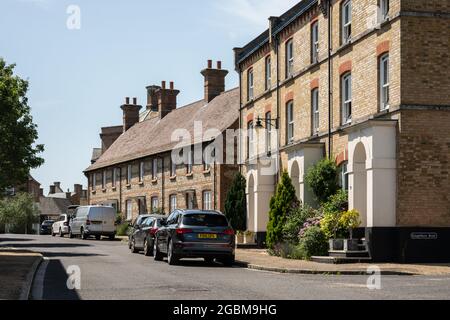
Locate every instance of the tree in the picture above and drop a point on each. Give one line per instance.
(19, 211)
(281, 204)
(236, 203)
(322, 179)
(18, 133)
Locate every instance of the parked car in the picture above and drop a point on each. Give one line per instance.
(94, 221)
(143, 236)
(195, 234)
(61, 227)
(133, 226)
(46, 227)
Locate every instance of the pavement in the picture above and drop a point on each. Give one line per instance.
(18, 268)
(105, 270)
(260, 260)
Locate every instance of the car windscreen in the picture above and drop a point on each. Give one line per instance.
(47, 223)
(205, 220)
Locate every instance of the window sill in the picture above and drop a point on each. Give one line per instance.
(172, 178)
(189, 175)
(141, 183)
(114, 189)
(207, 171)
(94, 192)
(154, 181)
(104, 190)
(128, 186)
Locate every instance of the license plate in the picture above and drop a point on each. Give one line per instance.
(207, 236)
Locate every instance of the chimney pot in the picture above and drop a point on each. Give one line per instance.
(163, 84)
(171, 85)
(135, 101)
(219, 65)
(127, 100)
(209, 64)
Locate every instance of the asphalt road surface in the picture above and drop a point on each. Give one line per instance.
(109, 271)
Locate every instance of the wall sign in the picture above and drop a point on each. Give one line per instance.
(424, 236)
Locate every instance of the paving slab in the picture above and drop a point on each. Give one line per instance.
(260, 259)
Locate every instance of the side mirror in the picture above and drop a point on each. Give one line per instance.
(164, 222)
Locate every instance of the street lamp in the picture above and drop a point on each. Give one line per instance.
(259, 122)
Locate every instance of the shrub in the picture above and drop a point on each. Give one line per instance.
(295, 222)
(281, 204)
(236, 203)
(309, 223)
(288, 251)
(314, 243)
(123, 229)
(350, 220)
(337, 202)
(330, 225)
(322, 179)
(20, 212)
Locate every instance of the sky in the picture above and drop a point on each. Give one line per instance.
(81, 70)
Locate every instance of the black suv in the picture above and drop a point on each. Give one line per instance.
(195, 234)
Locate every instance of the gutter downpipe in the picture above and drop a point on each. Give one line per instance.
(277, 179)
(330, 90)
(240, 119)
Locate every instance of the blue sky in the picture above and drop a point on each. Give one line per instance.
(79, 78)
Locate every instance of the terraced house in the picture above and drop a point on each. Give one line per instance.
(135, 172)
(367, 83)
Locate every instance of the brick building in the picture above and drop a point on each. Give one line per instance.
(135, 171)
(366, 83)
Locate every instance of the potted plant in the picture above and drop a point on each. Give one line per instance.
(350, 220)
(249, 237)
(239, 237)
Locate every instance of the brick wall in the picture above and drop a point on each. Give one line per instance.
(424, 169)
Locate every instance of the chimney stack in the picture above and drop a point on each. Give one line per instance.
(57, 186)
(214, 80)
(52, 189)
(166, 99)
(68, 195)
(130, 113)
(152, 98)
(78, 189)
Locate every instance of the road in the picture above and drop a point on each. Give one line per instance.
(110, 271)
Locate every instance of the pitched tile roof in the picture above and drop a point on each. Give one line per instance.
(53, 206)
(154, 136)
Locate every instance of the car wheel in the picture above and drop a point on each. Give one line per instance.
(71, 236)
(148, 248)
(83, 235)
(53, 234)
(98, 238)
(157, 255)
(209, 260)
(61, 235)
(112, 237)
(228, 261)
(172, 258)
(133, 246)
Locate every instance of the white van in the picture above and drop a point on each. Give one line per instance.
(95, 221)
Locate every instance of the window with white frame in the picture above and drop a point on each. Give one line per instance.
(155, 169)
(250, 139)
(250, 85)
(315, 110)
(268, 131)
(346, 97)
(104, 179)
(208, 157)
(384, 9)
(94, 181)
(173, 202)
(268, 73)
(114, 177)
(346, 21)
(154, 204)
(384, 82)
(129, 173)
(207, 203)
(290, 121)
(141, 171)
(315, 42)
(173, 168)
(129, 207)
(343, 175)
(190, 162)
(289, 58)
